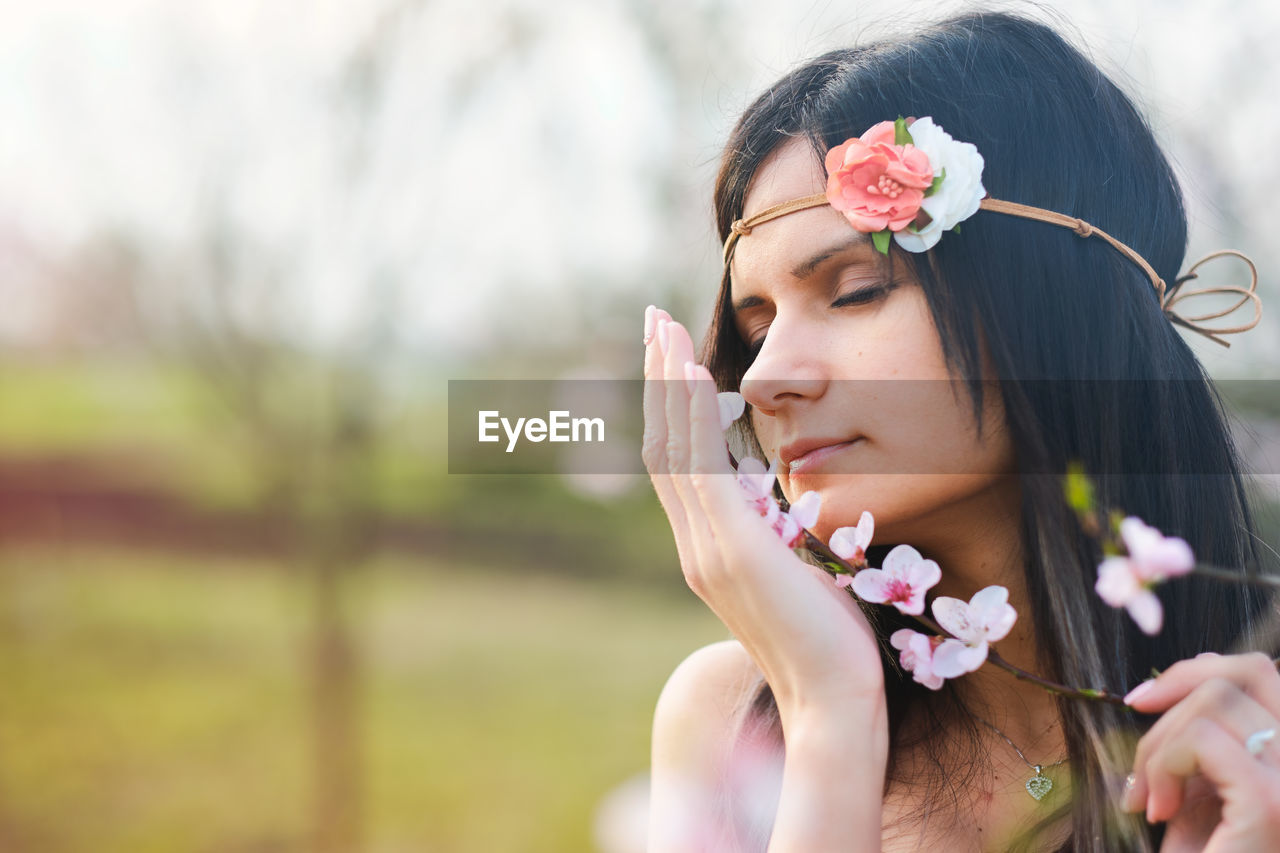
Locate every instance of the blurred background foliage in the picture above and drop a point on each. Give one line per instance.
(243, 604)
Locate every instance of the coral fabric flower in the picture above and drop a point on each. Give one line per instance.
(875, 183)
(986, 618)
(850, 543)
(917, 656)
(958, 194)
(1128, 581)
(902, 582)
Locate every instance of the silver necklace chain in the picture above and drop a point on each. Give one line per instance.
(1038, 785)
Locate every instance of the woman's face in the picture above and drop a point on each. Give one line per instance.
(850, 368)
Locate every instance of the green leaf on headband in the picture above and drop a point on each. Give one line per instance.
(901, 136)
(1091, 692)
(937, 182)
(881, 241)
(956, 229)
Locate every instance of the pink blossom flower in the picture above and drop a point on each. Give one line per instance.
(805, 511)
(902, 582)
(757, 485)
(875, 183)
(986, 618)
(790, 526)
(917, 656)
(1128, 582)
(732, 405)
(850, 543)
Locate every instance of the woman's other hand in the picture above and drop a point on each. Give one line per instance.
(1194, 768)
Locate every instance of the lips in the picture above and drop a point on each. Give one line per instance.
(806, 452)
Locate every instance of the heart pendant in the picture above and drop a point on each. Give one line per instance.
(1038, 786)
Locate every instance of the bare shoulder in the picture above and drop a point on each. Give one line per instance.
(704, 695)
(694, 726)
(696, 715)
(694, 738)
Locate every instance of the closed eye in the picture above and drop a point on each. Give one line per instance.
(863, 295)
(860, 296)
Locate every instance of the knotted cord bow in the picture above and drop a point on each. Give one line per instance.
(1247, 294)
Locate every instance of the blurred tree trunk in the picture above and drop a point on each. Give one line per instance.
(337, 542)
(335, 674)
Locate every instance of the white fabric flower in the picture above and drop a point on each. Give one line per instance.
(960, 192)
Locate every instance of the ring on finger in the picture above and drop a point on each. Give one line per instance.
(1256, 742)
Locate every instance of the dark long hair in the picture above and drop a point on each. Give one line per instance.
(1089, 367)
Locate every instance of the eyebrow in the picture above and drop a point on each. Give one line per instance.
(804, 269)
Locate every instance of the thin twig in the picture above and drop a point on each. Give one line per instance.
(1219, 574)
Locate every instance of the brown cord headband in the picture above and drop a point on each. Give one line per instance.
(1175, 294)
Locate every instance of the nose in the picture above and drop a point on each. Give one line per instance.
(789, 368)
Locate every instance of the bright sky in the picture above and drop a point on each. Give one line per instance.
(520, 149)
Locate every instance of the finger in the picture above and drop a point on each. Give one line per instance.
(1255, 673)
(713, 479)
(1215, 696)
(654, 444)
(677, 349)
(1247, 786)
(707, 562)
(1165, 770)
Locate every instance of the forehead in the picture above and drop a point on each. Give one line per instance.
(792, 171)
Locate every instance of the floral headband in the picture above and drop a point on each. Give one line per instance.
(912, 185)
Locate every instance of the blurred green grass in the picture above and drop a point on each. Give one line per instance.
(153, 703)
(164, 428)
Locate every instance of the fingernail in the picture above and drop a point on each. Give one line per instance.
(691, 376)
(1138, 692)
(662, 335)
(649, 316)
(1127, 796)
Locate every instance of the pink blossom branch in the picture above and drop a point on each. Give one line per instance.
(817, 546)
(1218, 573)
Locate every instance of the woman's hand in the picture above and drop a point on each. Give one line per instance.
(1193, 769)
(807, 636)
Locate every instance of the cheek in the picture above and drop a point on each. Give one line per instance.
(925, 465)
(765, 434)
(929, 427)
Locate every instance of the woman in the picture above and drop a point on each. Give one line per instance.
(846, 357)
